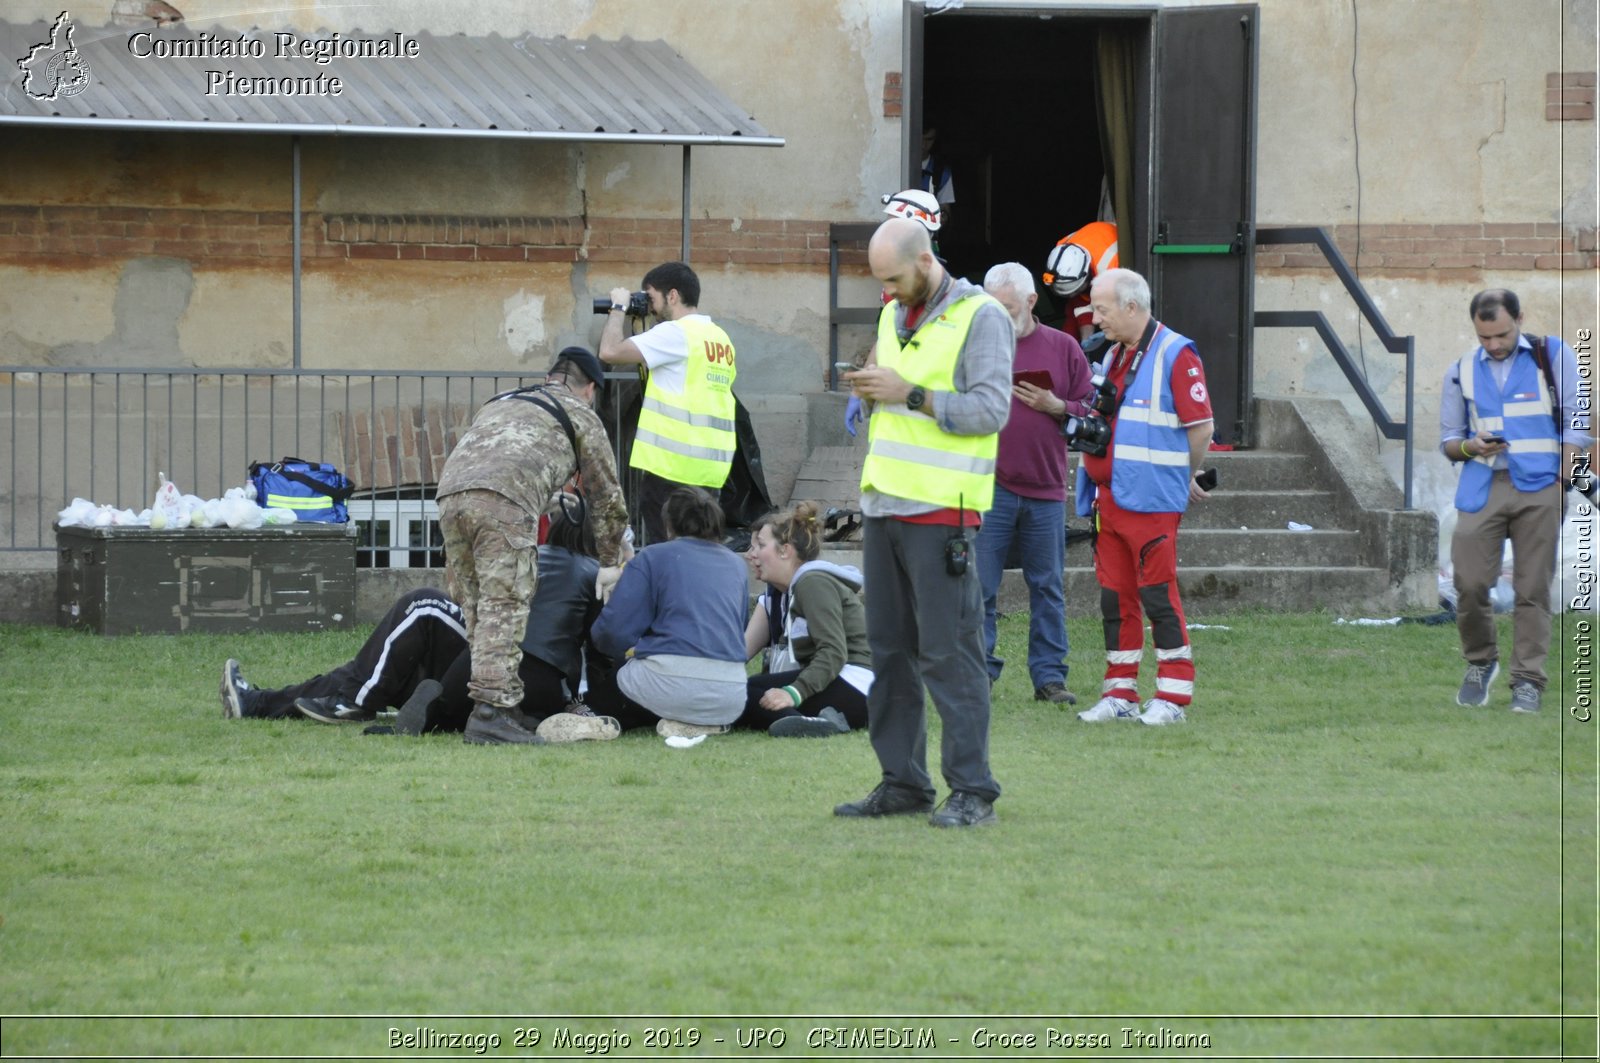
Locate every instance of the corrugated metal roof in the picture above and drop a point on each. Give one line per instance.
(528, 87)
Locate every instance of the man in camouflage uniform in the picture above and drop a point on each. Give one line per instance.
(496, 484)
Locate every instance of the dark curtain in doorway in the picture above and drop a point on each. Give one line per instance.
(1116, 66)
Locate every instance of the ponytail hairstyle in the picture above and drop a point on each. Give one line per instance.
(800, 527)
(691, 513)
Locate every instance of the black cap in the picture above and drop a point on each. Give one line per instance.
(584, 359)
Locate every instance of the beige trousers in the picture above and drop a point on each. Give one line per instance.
(1532, 521)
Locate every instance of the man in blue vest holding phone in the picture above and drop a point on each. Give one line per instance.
(1509, 414)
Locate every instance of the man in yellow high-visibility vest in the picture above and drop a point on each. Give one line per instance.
(941, 392)
(686, 425)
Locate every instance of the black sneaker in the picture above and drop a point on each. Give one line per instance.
(333, 709)
(825, 724)
(886, 800)
(489, 726)
(1054, 692)
(963, 809)
(413, 716)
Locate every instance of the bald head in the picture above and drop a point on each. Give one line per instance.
(900, 255)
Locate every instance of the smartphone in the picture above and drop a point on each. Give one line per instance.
(1206, 479)
(1496, 439)
(1039, 378)
(845, 367)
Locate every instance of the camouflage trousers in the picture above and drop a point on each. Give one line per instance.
(491, 552)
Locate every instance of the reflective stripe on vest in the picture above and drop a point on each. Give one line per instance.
(1522, 414)
(908, 454)
(1150, 455)
(689, 438)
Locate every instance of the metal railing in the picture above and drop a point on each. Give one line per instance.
(105, 434)
(1394, 344)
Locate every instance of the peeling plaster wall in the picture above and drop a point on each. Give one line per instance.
(1447, 112)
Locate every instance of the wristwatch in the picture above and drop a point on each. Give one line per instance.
(618, 308)
(916, 398)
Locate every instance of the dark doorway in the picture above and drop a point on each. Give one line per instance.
(1013, 100)
(1019, 98)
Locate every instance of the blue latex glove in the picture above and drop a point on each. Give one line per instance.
(854, 414)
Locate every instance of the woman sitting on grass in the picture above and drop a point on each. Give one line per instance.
(679, 606)
(824, 628)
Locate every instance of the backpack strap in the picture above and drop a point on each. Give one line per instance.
(534, 394)
(1541, 358)
(338, 494)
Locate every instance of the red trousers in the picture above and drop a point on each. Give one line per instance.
(1136, 564)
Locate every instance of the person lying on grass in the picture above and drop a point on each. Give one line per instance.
(417, 659)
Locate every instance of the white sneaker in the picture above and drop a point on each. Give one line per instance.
(1109, 709)
(1158, 713)
(566, 727)
(679, 729)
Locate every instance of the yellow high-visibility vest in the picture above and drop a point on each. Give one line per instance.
(908, 455)
(688, 437)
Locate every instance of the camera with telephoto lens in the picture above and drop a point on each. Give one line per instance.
(1091, 433)
(638, 305)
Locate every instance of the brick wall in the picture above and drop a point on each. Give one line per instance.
(70, 235)
(393, 446)
(66, 235)
(1481, 246)
(1569, 97)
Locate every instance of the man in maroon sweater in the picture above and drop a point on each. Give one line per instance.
(1050, 380)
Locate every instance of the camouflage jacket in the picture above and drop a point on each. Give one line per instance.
(520, 451)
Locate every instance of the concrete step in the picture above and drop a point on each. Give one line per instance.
(1268, 546)
(831, 476)
(1210, 590)
(1234, 508)
(1263, 470)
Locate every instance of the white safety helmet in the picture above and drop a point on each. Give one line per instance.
(1066, 271)
(917, 205)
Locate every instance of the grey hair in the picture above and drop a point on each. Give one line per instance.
(1128, 287)
(1013, 275)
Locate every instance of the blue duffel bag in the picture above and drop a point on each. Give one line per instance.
(314, 490)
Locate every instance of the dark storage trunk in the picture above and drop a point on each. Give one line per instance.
(121, 581)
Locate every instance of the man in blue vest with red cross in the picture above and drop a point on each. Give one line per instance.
(1510, 414)
(1138, 490)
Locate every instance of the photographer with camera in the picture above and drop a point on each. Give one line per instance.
(1050, 382)
(1142, 447)
(941, 392)
(686, 431)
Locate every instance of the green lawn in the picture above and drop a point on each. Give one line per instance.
(1328, 838)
